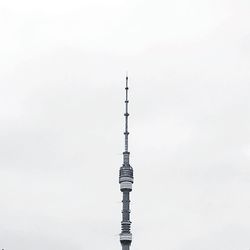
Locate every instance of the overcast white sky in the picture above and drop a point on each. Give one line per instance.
(63, 66)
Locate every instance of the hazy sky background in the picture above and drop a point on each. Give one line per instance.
(63, 66)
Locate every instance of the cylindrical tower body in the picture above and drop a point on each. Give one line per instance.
(126, 181)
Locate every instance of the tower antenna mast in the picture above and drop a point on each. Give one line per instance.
(126, 133)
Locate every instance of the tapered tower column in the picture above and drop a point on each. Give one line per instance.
(126, 180)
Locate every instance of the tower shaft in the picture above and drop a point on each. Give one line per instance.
(126, 180)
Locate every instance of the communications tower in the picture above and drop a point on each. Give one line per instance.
(126, 180)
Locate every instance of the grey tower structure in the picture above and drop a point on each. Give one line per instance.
(126, 180)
